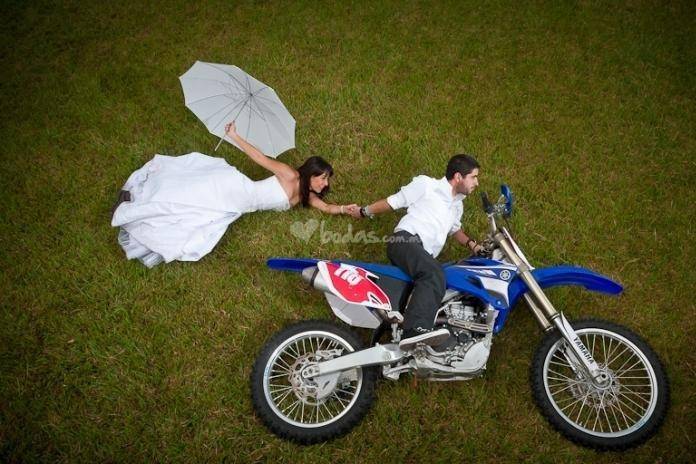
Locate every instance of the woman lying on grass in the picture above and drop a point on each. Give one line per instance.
(178, 207)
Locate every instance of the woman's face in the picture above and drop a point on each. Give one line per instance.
(319, 183)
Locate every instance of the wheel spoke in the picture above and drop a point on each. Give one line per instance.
(582, 406)
(621, 368)
(604, 347)
(636, 404)
(608, 360)
(328, 410)
(279, 387)
(564, 377)
(569, 404)
(288, 410)
(293, 348)
(604, 409)
(562, 389)
(594, 426)
(288, 368)
(343, 402)
(607, 355)
(629, 407)
(628, 426)
(594, 340)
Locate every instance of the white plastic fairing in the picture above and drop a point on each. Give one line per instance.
(352, 314)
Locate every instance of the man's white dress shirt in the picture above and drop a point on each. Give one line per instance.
(433, 212)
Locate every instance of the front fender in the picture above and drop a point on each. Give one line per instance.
(564, 275)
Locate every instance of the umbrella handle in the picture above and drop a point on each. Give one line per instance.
(218, 145)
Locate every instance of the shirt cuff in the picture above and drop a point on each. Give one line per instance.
(397, 201)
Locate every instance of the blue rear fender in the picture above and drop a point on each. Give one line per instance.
(291, 264)
(557, 276)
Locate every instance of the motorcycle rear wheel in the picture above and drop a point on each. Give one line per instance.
(288, 404)
(621, 414)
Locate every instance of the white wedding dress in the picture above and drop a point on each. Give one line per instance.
(180, 206)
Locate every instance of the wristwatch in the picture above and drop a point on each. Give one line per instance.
(364, 212)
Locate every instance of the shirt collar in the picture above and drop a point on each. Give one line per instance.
(445, 187)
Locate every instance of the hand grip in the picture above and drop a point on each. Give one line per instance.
(487, 206)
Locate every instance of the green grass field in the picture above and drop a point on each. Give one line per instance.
(587, 110)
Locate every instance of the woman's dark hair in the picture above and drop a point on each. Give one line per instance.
(313, 166)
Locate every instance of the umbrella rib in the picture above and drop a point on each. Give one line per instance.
(218, 81)
(248, 122)
(213, 96)
(233, 119)
(260, 90)
(251, 108)
(277, 103)
(268, 129)
(267, 99)
(221, 109)
(225, 72)
(282, 126)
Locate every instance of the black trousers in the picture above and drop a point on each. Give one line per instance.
(406, 251)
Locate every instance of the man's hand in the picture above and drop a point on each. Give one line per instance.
(354, 210)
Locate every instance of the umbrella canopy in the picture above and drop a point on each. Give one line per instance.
(221, 93)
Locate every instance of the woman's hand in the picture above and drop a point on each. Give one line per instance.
(231, 130)
(349, 209)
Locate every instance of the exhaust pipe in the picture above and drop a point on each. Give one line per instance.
(314, 279)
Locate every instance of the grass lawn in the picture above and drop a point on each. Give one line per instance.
(586, 109)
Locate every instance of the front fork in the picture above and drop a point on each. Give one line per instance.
(546, 315)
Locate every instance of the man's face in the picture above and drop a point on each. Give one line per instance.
(467, 184)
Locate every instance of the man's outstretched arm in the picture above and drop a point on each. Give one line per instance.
(378, 207)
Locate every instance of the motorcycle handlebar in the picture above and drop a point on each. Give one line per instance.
(487, 206)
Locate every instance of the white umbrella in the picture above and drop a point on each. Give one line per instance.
(220, 93)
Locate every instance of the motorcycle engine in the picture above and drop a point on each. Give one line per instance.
(461, 312)
(463, 355)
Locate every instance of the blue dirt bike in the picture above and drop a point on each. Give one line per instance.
(596, 382)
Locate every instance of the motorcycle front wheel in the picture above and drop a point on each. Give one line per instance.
(290, 404)
(620, 413)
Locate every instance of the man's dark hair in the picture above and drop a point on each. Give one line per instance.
(463, 164)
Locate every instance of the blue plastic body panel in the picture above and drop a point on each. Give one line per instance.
(461, 280)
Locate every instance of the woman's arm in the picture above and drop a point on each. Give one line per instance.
(321, 205)
(278, 168)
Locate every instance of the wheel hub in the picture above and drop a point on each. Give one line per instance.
(304, 389)
(599, 392)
